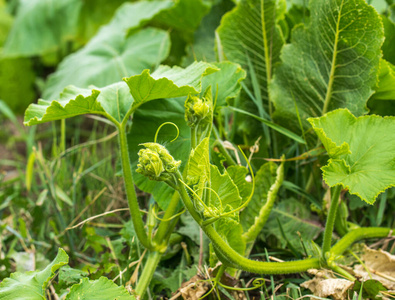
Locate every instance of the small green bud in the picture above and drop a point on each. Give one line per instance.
(197, 111)
(156, 163)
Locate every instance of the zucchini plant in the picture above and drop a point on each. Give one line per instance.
(317, 89)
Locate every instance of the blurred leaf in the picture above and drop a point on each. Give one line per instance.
(5, 22)
(93, 14)
(101, 289)
(294, 217)
(330, 63)
(361, 151)
(17, 83)
(106, 60)
(385, 89)
(388, 47)
(31, 285)
(202, 47)
(370, 289)
(41, 27)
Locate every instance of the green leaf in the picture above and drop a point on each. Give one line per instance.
(388, 47)
(361, 150)
(204, 37)
(227, 191)
(100, 65)
(112, 54)
(238, 175)
(101, 289)
(199, 163)
(231, 231)
(168, 82)
(329, 64)
(227, 79)
(17, 81)
(31, 285)
(31, 33)
(385, 89)
(5, 22)
(249, 35)
(294, 217)
(115, 100)
(93, 14)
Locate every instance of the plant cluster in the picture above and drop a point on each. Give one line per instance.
(287, 81)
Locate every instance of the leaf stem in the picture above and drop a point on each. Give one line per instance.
(234, 258)
(130, 191)
(229, 160)
(148, 272)
(330, 221)
(359, 234)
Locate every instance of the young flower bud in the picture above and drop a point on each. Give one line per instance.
(156, 163)
(197, 111)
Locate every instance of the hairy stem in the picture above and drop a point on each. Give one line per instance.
(229, 160)
(330, 221)
(130, 191)
(359, 234)
(148, 271)
(235, 259)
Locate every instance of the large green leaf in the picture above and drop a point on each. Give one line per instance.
(107, 61)
(31, 285)
(41, 27)
(115, 100)
(231, 231)
(100, 289)
(250, 36)
(93, 14)
(168, 82)
(111, 54)
(331, 63)
(361, 150)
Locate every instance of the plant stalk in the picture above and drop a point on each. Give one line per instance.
(359, 234)
(330, 221)
(130, 191)
(148, 272)
(238, 261)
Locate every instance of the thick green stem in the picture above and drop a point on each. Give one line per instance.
(148, 271)
(359, 234)
(264, 213)
(238, 261)
(330, 221)
(130, 191)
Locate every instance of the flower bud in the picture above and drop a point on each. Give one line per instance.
(197, 111)
(156, 163)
